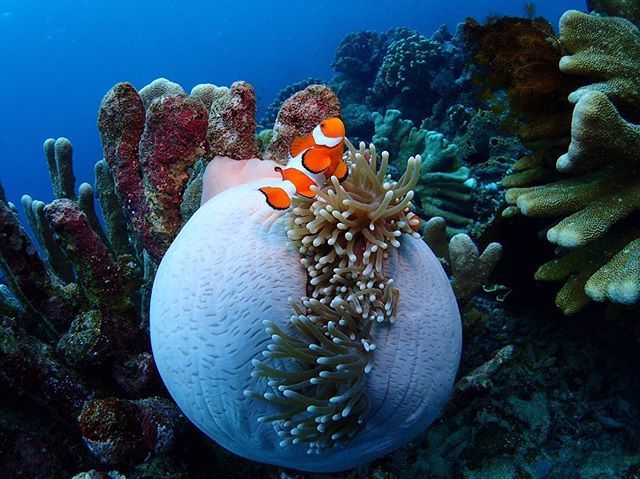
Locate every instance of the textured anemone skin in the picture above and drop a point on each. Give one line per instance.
(231, 267)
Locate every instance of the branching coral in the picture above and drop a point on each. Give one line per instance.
(344, 236)
(597, 196)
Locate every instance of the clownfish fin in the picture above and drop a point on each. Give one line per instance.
(316, 160)
(301, 181)
(342, 171)
(299, 144)
(276, 197)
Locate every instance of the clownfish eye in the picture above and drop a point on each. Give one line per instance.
(323, 124)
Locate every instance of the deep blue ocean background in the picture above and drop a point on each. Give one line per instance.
(58, 59)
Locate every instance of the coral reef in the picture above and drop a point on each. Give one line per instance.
(74, 317)
(298, 116)
(232, 123)
(120, 431)
(536, 396)
(378, 71)
(520, 56)
(149, 166)
(619, 8)
(469, 269)
(416, 70)
(269, 118)
(442, 190)
(360, 54)
(157, 89)
(596, 188)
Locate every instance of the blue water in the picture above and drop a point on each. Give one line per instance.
(59, 58)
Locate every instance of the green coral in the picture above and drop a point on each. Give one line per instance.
(443, 190)
(602, 47)
(59, 156)
(598, 195)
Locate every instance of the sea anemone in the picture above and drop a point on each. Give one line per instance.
(326, 280)
(343, 235)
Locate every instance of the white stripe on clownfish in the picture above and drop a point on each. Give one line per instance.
(321, 139)
(296, 162)
(315, 158)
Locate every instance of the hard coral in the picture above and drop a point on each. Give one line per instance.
(469, 269)
(232, 123)
(270, 115)
(604, 48)
(521, 56)
(629, 9)
(157, 89)
(417, 72)
(73, 319)
(298, 116)
(172, 140)
(150, 149)
(120, 431)
(597, 195)
(360, 54)
(442, 190)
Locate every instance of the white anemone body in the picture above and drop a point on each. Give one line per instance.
(232, 267)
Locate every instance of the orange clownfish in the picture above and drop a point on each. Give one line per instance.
(314, 158)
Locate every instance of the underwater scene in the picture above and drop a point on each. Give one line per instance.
(297, 240)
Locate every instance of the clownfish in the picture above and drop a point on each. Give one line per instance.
(314, 158)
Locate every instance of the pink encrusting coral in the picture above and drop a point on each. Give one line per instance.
(149, 153)
(298, 116)
(124, 431)
(96, 271)
(29, 276)
(173, 138)
(121, 123)
(232, 122)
